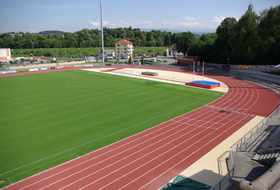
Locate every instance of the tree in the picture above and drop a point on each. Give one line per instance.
(269, 30)
(224, 32)
(244, 42)
(83, 37)
(6, 40)
(167, 38)
(184, 41)
(71, 40)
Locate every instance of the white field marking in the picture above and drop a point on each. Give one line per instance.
(85, 144)
(236, 116)
(105, 152)
(244, 98)
(175, 164)
(45, 163)
(132, 162)
(181, 160)
(119, 154)
(164, 160)
(170, 158)
(205, 144)
(201, 123)
(134, 152)
(142, 157)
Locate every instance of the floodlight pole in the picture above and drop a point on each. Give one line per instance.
(102, 36)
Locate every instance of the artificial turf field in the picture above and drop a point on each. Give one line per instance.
(50, 118)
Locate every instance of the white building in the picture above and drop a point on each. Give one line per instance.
(124, 49)
(5, 53)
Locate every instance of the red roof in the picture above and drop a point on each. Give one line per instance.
(124, 42)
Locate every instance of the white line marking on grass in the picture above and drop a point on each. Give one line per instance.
(147, 120)
(45, 163)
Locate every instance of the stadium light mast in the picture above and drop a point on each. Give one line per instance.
(102, 36)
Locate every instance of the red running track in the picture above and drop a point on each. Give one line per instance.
(151, 158)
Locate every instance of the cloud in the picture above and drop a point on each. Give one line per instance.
(218, 19)
(140, 24)
(95, 24)
(172, 24)
(144, 24)
(189, 23)
(188, 18)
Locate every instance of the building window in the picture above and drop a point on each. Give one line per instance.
(124, 48)
(118, 45)
(125, 52)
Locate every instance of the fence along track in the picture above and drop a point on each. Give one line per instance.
(272, 84)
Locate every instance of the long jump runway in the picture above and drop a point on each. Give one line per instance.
(151, 158)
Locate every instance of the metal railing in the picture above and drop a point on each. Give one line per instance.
(271, 84)
(242, 144)
(226, 182)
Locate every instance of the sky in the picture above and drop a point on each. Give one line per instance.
(170, 15)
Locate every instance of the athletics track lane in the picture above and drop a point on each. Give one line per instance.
(151, 158)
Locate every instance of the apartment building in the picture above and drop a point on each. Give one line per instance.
(124, 49)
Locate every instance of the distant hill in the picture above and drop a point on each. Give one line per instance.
(48, 32)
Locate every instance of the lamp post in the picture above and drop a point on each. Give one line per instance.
(102, 36)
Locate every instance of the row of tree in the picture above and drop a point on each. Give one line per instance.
(253, 39)
(86, 38)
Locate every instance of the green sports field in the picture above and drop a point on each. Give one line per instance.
(50, 118)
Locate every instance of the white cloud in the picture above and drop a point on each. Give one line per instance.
(95, 24)
(173, 25)
(189, 24)
(218, 19)
(144, 24)
(188, 18)
(141, 24)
